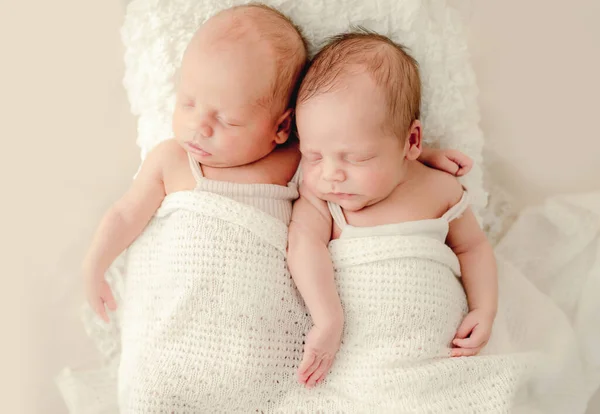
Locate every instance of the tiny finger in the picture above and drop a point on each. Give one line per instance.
(477, 338)
(464, 169)
(312, 379)
(447, 165)
(465, 328)
(460, 352)
(319, 373)
(111, 303)
(463, 343)
(101, 311)
(307, 368)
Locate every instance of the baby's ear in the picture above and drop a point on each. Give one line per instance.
(412, 148)
(284, 127)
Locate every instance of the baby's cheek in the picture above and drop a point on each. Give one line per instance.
(377, 181)
(374, 179)
(310, 177)
(176, 124)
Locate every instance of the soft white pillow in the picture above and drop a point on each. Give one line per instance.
(156, 32)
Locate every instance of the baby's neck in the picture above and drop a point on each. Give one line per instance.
(278, 167)
(411, 172)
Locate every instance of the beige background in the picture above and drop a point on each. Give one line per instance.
(68, 151)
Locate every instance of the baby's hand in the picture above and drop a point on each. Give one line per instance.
(447, 160)
(319, 351)
(99, 294)
(473, 333)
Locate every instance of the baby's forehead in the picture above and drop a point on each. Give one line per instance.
(256, 25)
(232, 37)
(252, 36)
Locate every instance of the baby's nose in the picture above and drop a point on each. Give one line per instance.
(201, 129)
(331, 172)
(205, 131)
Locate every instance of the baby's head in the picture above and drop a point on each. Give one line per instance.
(238, 77)
(358, 119)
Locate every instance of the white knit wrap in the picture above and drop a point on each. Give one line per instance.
(211, 319)
(402, 303)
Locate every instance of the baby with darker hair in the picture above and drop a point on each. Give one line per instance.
(389, 239)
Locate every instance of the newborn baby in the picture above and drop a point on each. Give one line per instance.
(387, 238)
(207, 287)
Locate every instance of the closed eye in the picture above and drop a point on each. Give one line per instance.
(229, 122)
(359, 160)
(312, 158)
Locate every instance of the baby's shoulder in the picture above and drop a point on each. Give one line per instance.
(279, 166)
(162, 157)
(168, 153)
(445, 186)
(172, 161)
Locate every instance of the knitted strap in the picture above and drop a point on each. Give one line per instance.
(458, 209)
(196, 171)
(337, 214)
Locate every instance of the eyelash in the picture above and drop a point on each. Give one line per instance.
(191, 105)
(227, 123)
(312, 159)
(359, 161)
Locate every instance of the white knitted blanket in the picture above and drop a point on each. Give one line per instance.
(403, 303)
(211, 319)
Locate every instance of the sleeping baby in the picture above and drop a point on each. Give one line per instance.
(390, 241)
(211, 320)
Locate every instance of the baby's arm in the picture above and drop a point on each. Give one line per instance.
(120, 226)
(451, 161)
(478, 268)
(312, 271)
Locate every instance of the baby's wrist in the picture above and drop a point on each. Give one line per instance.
(92, 272)
(488, 311)
(331, 321)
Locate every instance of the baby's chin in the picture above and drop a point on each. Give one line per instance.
(349, 202)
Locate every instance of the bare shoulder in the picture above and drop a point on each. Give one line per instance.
(445, 185)
(168, 152)
(280, 165)
(173, 162)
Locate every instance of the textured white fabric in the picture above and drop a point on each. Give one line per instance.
(556, 245)
(211, 318)
(196, 327)
(155, 34)
(403, 303)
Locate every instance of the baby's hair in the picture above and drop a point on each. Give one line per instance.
(290, 48)
(388, 63)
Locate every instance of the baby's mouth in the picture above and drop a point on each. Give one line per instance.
(196, 149)
(343, 196)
